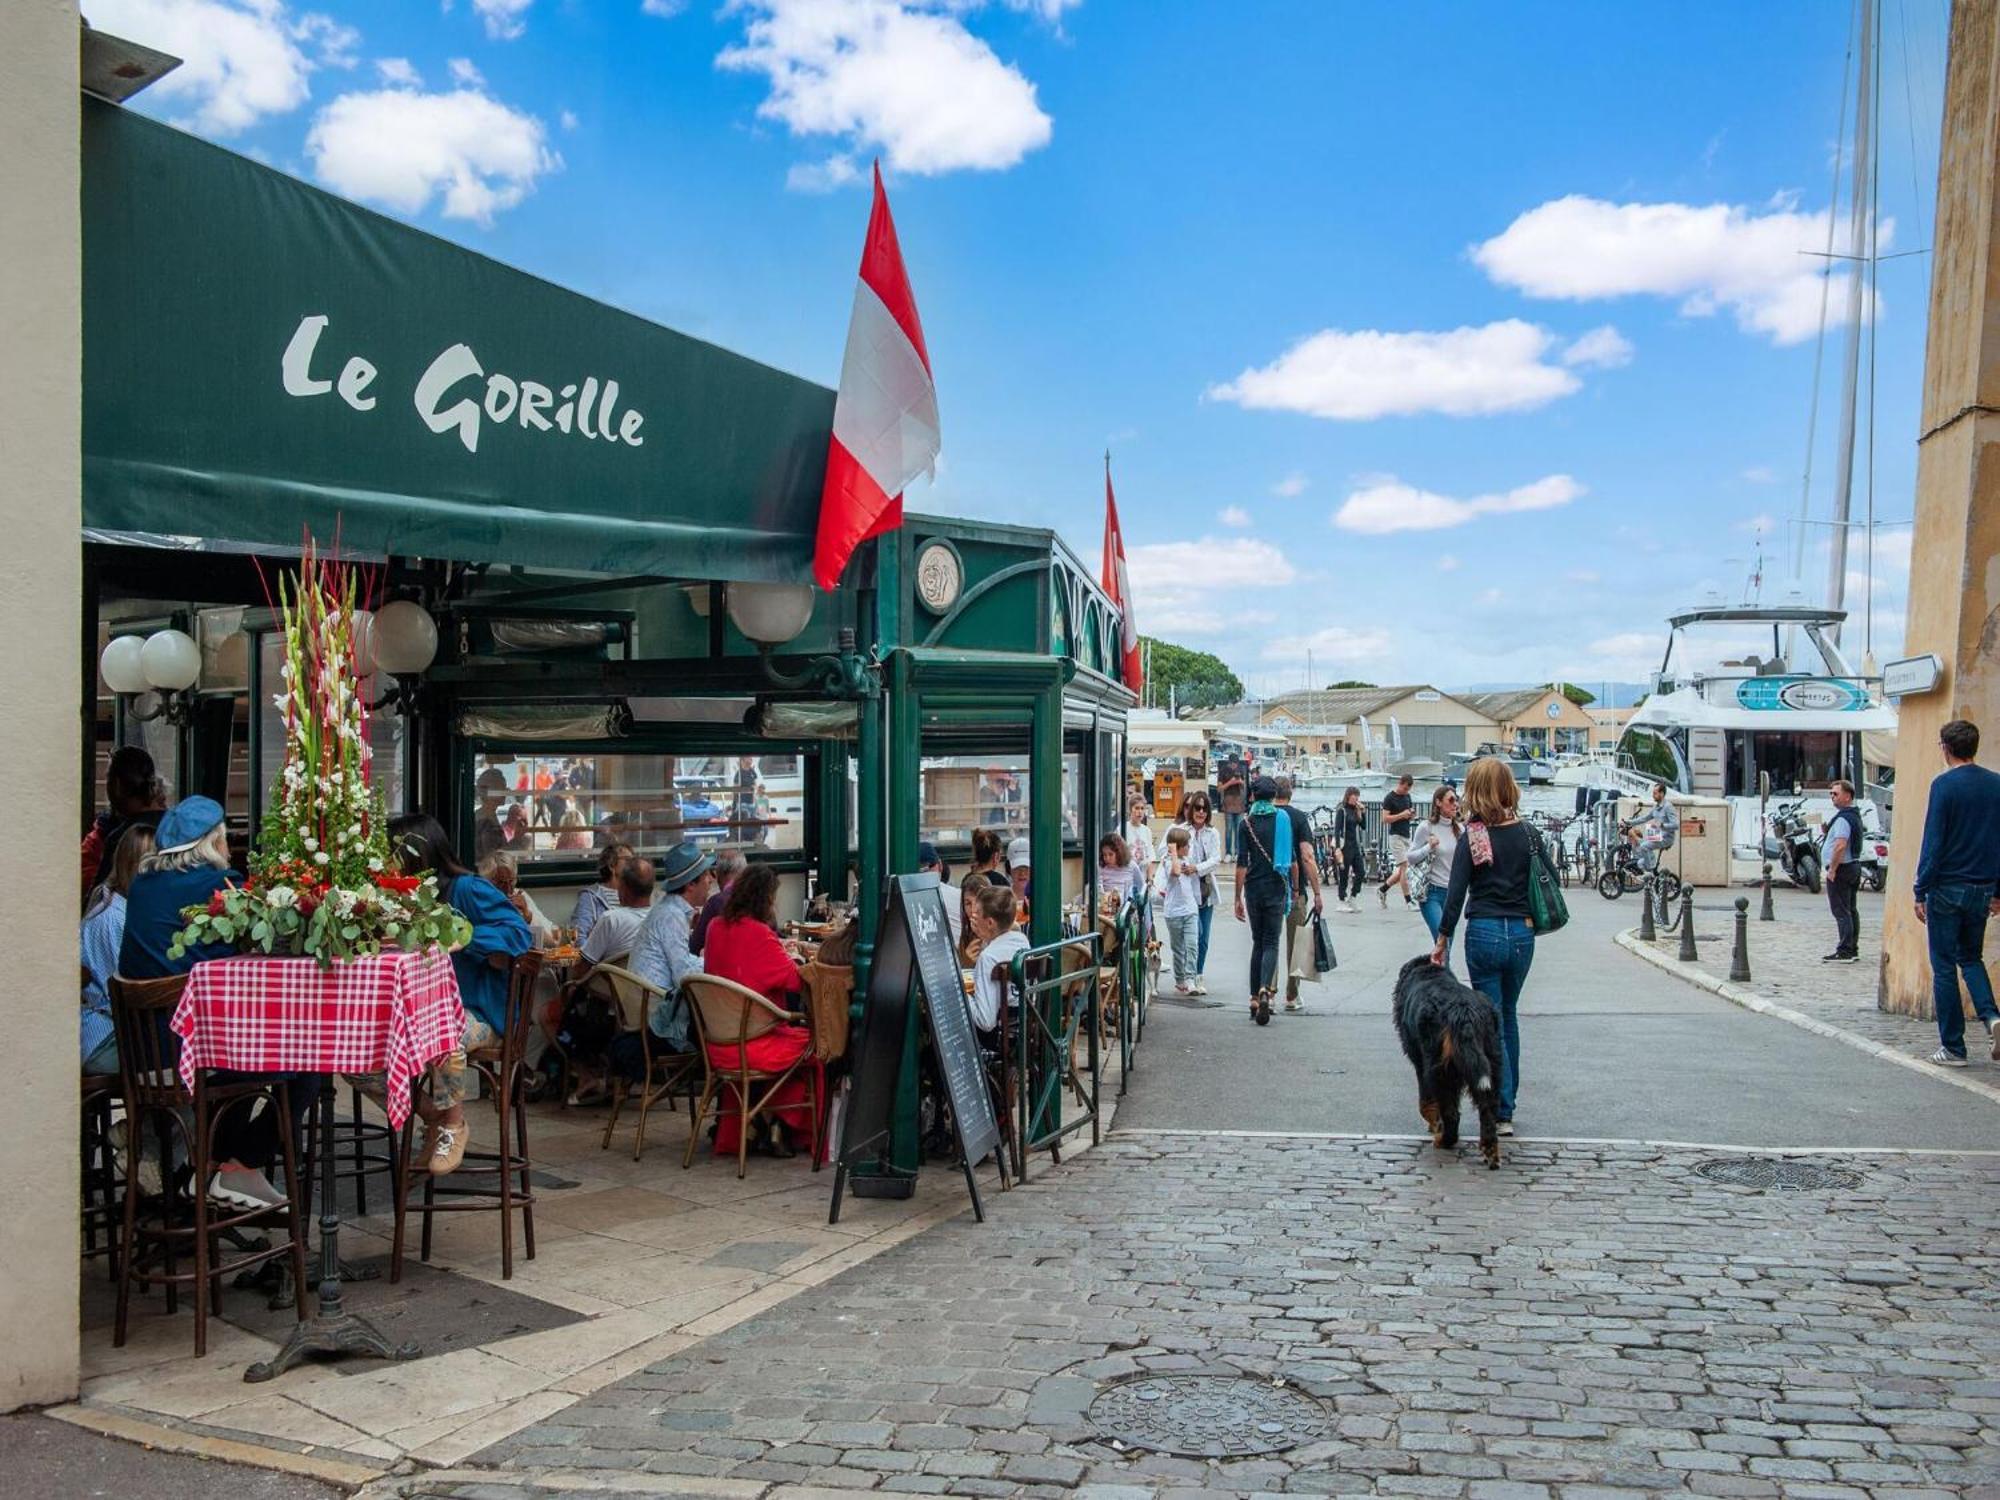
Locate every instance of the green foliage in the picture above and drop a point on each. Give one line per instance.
(1581, 697)
(1350, 682)
(1197, 679)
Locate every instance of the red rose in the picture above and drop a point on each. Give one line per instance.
(215, 905)
(402, 885)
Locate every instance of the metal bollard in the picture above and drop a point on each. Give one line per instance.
(1648, 933)
(1739, 957)
(1687, 953)
(1766, 913)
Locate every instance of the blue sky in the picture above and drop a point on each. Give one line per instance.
(1442, 341)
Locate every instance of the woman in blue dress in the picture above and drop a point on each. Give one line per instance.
(499, 936)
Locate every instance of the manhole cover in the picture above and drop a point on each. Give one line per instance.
(1765, 1173)
(1207, 1416)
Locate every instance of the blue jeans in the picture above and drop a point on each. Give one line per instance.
(1498, 954)
(1201, 940)
(1956, 927)
(1231, 823)
(1432, 906)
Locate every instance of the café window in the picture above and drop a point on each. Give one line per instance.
(964, 792)
(558, 807)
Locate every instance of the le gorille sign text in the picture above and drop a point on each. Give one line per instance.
(456, 393)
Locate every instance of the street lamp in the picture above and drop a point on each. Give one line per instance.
(769, 614)
(167, 663)
(400, 639)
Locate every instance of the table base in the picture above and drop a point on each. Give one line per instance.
(340, 1335)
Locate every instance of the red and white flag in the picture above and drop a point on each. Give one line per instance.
(885, 418)
(1119, 586)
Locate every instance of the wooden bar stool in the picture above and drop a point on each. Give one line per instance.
(103, 1194)
(155, 1096)
(486, 1181)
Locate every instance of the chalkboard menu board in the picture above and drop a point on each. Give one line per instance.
(914, 955)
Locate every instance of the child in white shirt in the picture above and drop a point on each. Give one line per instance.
(1179, 886)
(992, 911)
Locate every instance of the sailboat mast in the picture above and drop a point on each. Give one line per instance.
(1858, 283)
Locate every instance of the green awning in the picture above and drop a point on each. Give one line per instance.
(261, 357)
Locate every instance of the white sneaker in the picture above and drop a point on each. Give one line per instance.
(245, 1191)
(1944, 1059)
(1506, 1127)
(1993, 1031)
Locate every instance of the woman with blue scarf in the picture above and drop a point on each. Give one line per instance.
(1264, 857)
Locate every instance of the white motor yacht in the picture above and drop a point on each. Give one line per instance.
(1728, 705)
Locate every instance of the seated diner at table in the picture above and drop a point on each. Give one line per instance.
(1020, 869)
(743, 945)
(660, 955)
(499, 936)
(989, 859)
(593, 901)
(993, 914)
(501, 872)
(613, 936)
(102, 934)
(189, 864)
(1117, 876)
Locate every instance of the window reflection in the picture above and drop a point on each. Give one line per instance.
(548, 807)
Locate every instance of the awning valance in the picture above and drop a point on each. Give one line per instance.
(261, 357)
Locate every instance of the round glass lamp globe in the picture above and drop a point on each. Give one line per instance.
(171, 660)
(403, 638)
(770, 613)
(120, 664)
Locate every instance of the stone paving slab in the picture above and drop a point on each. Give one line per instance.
(1590, 1320)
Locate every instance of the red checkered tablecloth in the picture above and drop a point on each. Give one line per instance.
(394, 1013)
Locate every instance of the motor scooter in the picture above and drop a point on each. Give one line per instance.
(1790, 842)
(1874, 861)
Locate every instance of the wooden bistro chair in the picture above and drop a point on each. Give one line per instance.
(830, 993)
(486, 1181)
(662, 1073)
(156, 1097)
(727, 1014)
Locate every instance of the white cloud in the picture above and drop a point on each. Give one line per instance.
(1291, 486)
(1584, 575)
(663, 8)
(241, 59)
(333, 43)
(1759, 525)
(1387, 504)
(503, 18)
(399, 71)
(568, 120)
(822, 176)
(1210, 563)
(1601, 349)
(1448, 564)
(1761, 474)
(464, 71)
(1761, 265)
(1329, 647)
(402, 148)
(1358, 376)
(1050, 11)
(901, 76)
(1234, 515)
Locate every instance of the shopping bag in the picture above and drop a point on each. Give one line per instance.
(1547, 910)
(1323, 959)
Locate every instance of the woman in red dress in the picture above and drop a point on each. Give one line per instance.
(742, 945)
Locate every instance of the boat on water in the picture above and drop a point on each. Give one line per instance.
(1521, 765)
(1729, 707)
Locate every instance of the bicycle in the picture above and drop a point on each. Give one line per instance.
(1622, 873)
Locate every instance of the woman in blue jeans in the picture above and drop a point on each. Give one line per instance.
(1205, 849)
(1433, 846)
(1489, 885)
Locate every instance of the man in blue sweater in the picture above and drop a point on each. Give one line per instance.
(1958, 888)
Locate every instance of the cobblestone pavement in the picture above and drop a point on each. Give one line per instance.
(1785, 967)
(1589, 1321)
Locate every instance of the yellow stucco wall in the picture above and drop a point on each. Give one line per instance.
(1955, 554)
(40, 394)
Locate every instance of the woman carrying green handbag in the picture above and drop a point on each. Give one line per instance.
(1495, 883)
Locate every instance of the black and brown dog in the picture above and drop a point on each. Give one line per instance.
(1452, 1037)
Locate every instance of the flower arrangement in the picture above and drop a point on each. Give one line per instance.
(322, 882)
